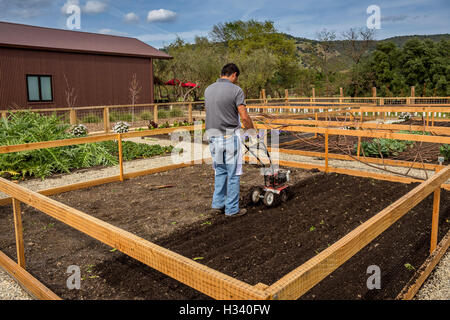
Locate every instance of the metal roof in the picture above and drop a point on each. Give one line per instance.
(39, 38)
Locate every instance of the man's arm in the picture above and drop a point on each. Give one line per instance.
(246, 120)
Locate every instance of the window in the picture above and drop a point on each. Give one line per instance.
(39, 88)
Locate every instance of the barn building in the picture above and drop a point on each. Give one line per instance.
(46, 68)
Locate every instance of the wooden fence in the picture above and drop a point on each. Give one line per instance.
(187, 271)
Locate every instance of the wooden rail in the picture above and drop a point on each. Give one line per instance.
(360, 133)
(89, 139)
(413, 286)
(31, 284)
(361, 125)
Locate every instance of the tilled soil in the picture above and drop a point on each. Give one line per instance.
(261, 246)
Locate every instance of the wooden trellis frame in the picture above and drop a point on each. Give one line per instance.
(198, 276)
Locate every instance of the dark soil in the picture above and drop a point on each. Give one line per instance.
(262, 246)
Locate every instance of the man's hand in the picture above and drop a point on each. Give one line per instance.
(246, 120)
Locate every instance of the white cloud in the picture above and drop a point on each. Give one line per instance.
(112, 32)
(93, 6)
(131, 17)
(13, 9)
(69, 3)
(161, 15)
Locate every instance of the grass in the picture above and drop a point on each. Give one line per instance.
(91, 118)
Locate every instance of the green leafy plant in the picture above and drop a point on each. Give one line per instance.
(444, 150)
(152, 124)
(132, 150)
(27, 127)
(409, 266)
(385, 147)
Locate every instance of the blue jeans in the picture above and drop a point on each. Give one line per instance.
(224, 153)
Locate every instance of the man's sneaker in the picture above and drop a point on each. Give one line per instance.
(240, 213)
(217, 211)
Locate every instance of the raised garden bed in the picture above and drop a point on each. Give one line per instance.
(346, 145)
(260, 247)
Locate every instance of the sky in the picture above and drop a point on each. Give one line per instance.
(159, 22)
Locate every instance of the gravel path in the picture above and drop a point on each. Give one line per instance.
(10, 290)
(437, 285)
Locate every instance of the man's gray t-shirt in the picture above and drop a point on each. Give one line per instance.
(222, 99)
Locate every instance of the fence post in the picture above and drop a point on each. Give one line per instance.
(286, 95)
(106, 123)
(313, 94)
(4, 116)
(315, 133)
(374, 94)
(326, 151)
(19, 233)
(190, 112)
(359, 148)
(119, 142)
(155, 113)
(73, 116)
(435, 218)
(341, 94)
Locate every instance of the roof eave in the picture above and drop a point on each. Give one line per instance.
(7, 45)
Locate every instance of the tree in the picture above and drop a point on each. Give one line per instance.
(357, 42)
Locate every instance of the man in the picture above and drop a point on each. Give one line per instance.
(225, 106)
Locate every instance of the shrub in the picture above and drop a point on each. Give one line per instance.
(79, 130)
(444, 150)
(119, 116)
(121, 127)
(162, 114)
(91, 118)
(176, 113)
(146, 116)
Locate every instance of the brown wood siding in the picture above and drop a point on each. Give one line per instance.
(98, 79)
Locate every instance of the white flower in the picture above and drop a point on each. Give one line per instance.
(121, 127)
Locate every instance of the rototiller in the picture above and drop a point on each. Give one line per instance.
(275, 187)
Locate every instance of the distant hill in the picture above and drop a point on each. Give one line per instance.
(304, 45)
(400, 40)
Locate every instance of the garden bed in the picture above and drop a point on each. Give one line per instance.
(429, 152)
(262, 246)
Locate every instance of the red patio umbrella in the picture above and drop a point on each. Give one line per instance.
(189, 84)
(172, 82)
